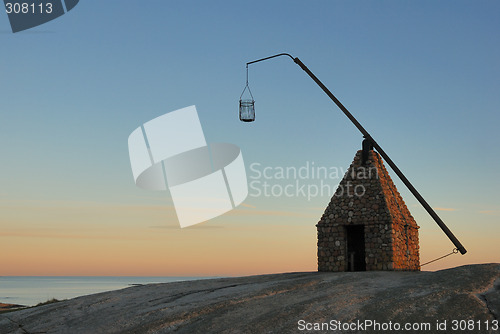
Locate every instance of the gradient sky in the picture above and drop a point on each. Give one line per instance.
(421, 76)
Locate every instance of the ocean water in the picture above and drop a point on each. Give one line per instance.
(31, 290)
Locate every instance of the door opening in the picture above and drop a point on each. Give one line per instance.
(355, 248)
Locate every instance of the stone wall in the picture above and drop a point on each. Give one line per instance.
(331, 247)
(405, 246)
(367, 196)
(378, 247)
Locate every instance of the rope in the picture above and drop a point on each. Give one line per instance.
(455, 251)
(246, 86)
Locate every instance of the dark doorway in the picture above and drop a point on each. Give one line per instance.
(355, 248)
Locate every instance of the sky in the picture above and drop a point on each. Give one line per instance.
(421, 76)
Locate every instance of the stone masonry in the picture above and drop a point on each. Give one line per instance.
(367, 206)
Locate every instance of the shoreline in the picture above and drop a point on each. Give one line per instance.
(4, 307)
(31, 291)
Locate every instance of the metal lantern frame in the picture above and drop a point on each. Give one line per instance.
(247, 106)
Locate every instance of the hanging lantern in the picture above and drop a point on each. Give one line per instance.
(247, 110)
(247, 105)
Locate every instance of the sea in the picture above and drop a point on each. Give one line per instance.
(31, 290)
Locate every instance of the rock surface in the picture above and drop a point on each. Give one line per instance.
(276, 304)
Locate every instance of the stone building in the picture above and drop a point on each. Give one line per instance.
(367, 225)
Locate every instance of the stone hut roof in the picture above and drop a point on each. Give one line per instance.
(367, 195)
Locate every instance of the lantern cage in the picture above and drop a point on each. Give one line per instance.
(247, 110)
(247, 104)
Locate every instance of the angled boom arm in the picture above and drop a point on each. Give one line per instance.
(379, 149)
